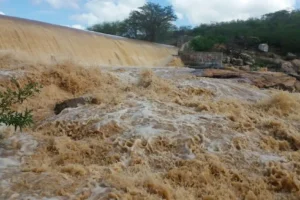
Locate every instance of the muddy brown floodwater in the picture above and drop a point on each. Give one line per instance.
(159, 133)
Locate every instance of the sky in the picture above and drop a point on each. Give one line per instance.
(83, 13)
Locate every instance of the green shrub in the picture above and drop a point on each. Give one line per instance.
(10, 97)
(204, 43)
(201, 43)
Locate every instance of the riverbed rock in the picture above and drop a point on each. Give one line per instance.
(212, 73)
(287, 67)
(260, 79)
(296, 64)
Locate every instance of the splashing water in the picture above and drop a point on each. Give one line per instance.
(161, 134)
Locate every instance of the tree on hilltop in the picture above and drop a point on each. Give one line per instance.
(149, 22)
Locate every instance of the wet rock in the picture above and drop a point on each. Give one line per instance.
(260, 79)
(73, 103)
(288, 68)
(211, 73)
(290, 56)
(263, 47)
(273, 80)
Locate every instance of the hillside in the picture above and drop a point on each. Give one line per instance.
(280, 30)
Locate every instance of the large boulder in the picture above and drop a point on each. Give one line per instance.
(73, 103)
(263, 47)
(287, 67)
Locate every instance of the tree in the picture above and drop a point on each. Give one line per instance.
(151, 20)
(10, 97)
(112, 28)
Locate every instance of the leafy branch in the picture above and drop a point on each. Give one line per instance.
(11, 97)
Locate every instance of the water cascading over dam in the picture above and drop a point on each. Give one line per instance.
(44, 42)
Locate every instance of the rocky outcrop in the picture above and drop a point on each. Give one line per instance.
(237, 61)
(248, 60)
(287, 67)
(263, 47)
(296, 64)
(260, 79)
(274, 61)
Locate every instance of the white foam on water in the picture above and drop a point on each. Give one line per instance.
(142, 118)
(14, 147)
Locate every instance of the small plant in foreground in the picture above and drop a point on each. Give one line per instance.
(11, 97)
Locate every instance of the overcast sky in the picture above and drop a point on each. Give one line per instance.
(83, 13)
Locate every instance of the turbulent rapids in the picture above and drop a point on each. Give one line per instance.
(159, 133)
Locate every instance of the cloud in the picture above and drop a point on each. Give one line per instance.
(206, 11)
(2, 13)
(60, 3)
(78, 26)
(97, 11)
(179, 15)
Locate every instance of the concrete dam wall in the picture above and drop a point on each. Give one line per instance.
(44, 41)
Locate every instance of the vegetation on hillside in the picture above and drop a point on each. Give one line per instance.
(279, 29)
(153, 22)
